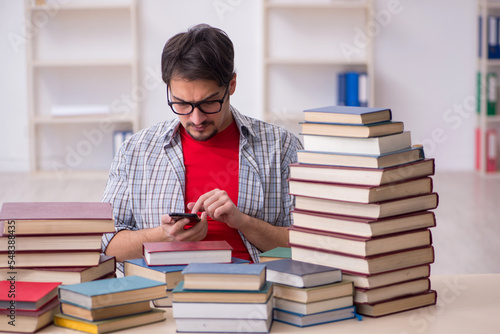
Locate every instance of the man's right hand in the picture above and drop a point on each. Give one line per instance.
(175, 231)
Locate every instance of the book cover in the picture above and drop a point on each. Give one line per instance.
(63, 258)
(110, 292)
(53, 242)
(30, 321)
(352, 89)
(372, 281)
(315, 293)
(352, 130)
(312, 307)
(397, 305)
(224, 269)
(414, 153)
(362, 175)
(276, 254)
(347, 114)
(171, 275)
(301, 320)
(301, 273)
(180, 294)
(351, 145)
(104, 313)
(396, 290)
(26, 295)
(361, 193)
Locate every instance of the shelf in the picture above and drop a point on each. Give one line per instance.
(313, 61)
(85, 119)
(316, 4)
(53, 5)
(82, 62)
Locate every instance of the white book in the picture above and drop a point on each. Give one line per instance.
(203, 325)
(371, 146)
(222, 310)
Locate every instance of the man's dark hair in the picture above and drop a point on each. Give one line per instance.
(203, 52)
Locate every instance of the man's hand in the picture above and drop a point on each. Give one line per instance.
(217, 204)
(175, 231)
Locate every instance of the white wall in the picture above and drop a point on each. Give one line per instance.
(424, 66)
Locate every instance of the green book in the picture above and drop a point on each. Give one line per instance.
(276, 253)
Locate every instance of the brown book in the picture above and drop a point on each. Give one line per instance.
(359, 246)
(365, 265)
(371, 281)
(361, 193)
(398, 304)
(33, 218)
(412, 287)
(314, 294)
(27, 321)
(362, 176)
(66, 275)
(105, 312)
(369, 210)
(363, 227)
(352, 130)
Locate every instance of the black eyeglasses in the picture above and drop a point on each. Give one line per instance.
(206, 106)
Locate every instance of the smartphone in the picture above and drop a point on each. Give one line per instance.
(193, 217)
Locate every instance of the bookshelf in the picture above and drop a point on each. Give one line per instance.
(488, 112)
(305, 45)
(82, 77)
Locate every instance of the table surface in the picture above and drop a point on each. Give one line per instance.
(465, 304)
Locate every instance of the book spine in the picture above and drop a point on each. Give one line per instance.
(491, 150)
(352, 89)
(341, 89)
(492, 93)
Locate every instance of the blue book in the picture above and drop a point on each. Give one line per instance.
(341, 93)
(347, 115)
(222, 296)
(352, 89)
(301, 274)
(111, 292)
(224, 276)
(301, 320)
(170, 275)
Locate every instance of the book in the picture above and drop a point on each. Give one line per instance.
(170, 275)
(363, 227)
(301, 273)
(313, 307)
(63, 258)
(352, 130)
(53, 242)
(26, 295)
(109, 325)
(29, 218)
(180, 294)
(67, 275)
(365, 265)
(29, 321)
(352, 89)
(413, 153)
(369, 281)
(185, 252)
(103, 313)
(368, 210)
(224, 276)
(375, 295)
(361, 193)
(347, 115)
(315, 293)
(215, 325)
(360, 175)
(359, 246)
(110, 292)
(397, 305)
(352, 145)
(301, 320)
(276, 254)
(222, 310)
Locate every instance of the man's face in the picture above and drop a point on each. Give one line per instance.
(201, 126)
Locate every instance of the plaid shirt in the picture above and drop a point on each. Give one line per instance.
(147, 176)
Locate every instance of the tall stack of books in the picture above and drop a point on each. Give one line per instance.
(363, 198)
(55, 241)
(108, 305)
(223, 297)
(307, 294)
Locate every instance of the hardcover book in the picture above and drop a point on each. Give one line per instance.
(315, 293)
(103, 313)
(185, 252)
(313, 307)
(27, 295)
(397, 305)
(111, 292)
(375, 295)
(53, 242)
(368, 281)
(215, 325)
(352, 130)
(52, 218)
(276, 254)
(224, 276)
(347, 114)
(66, 258)
(30, 321)
(365, 265)
(350, 145)
(302, 320)
(411, 154)
(361, 193)
(180, 294)
(362, 176)
(171, 275)
(301, 273)
(363, 227)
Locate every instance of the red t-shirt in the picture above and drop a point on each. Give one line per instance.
(212, 164)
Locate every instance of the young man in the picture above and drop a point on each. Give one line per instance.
(230, 169)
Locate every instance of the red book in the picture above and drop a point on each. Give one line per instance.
(185, 252)
(29, 321)
(26, 295)
(56, 218)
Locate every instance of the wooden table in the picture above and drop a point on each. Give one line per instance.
(466, 304)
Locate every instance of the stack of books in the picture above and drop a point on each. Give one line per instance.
(27, 307)
(55, 241)
(307, 294)
(108, 305)
(363, 198)
(223, 297)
